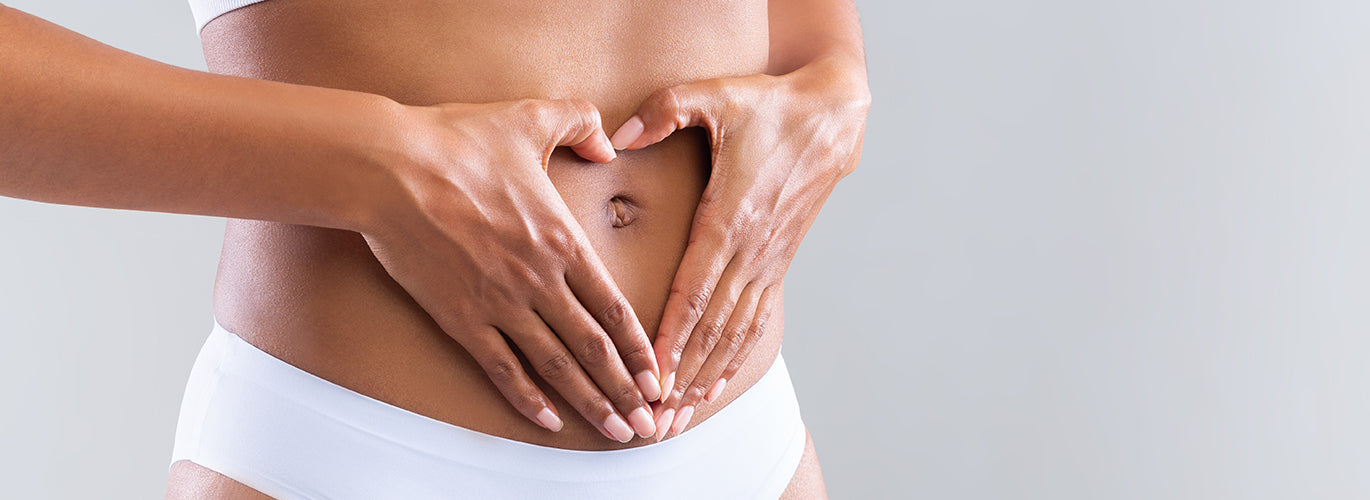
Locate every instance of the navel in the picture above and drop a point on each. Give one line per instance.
(621, 211)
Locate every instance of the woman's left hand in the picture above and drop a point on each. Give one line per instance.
(780, 144)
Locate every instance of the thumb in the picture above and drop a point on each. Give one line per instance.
(574, 123)
(666, 111)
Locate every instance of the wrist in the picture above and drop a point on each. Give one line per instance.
(837, 81)
(835, 89)
(377, 144)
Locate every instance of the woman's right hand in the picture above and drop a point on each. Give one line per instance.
(459, 211)
(482, 240)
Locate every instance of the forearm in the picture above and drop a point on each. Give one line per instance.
(803, 31)
(82, 123)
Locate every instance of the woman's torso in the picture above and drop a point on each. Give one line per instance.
(318, 299)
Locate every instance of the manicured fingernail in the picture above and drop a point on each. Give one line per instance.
(667, 385)
(642, 422)
(651, 387)
(683, 420)
(716, 390)
(549, 420)
(663, 423)
(618, 428)
(626, 134)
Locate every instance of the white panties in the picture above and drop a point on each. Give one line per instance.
(292, 435)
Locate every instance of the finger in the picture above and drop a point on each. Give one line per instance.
(594, 287)
(555, 364)
(598, 356)
(575, 123)
(708, 330)
(708, 383)
(665, 111)
(706, 257)
(757, 329)
(505, 370)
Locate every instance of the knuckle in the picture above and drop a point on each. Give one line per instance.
(537, 110)
(561, 240)
(530, 398)
(758, 326)
(678, 392)
(638, 350)
(504, 371)
(555, 368)
(695, 392)
(523, 275)
(585, 111)
(616, 314)
(547, 116)
(596, 350)
(710, 332)
(666, 100)
(731, 100)
(696, 300)
(736, 335)
(750, 213)
(529, 109)
(594, 405)
(627, 397)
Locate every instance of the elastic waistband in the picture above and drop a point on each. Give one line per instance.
(244, 408)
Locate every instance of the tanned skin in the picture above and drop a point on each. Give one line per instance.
(394, 230)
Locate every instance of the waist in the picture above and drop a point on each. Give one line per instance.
(288, 434)
(319, 300)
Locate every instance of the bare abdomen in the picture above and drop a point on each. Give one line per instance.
(319, 300)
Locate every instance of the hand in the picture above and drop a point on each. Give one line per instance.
(481, 239)
(780, 144)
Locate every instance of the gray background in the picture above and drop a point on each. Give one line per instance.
(1096, 249)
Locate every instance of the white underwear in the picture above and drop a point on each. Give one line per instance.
(292, 435)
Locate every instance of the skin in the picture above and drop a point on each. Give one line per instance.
(780, 143)
(367, 273)
(193, 482)
(283, 287)
(776, 159)
(328, 158)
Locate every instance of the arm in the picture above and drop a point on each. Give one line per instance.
(804, 31)
(82, 123)
(781, 142)
(85, 124)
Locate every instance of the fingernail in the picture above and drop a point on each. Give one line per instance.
(642, 422)
(716, 390)
(651, 387)
(618, 428)
(683, 420)
(549, 420)
(626, 134)
(667, 385)
(663, 423)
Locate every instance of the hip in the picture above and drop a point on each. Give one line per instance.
(270, 426)
(317, 298)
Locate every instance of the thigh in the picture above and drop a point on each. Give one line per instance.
(191, 481)
(808, 478)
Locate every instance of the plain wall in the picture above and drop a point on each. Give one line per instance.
(1095, 249)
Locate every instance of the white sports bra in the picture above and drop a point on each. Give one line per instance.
(206, 10)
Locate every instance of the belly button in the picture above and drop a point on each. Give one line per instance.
(621, 211)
